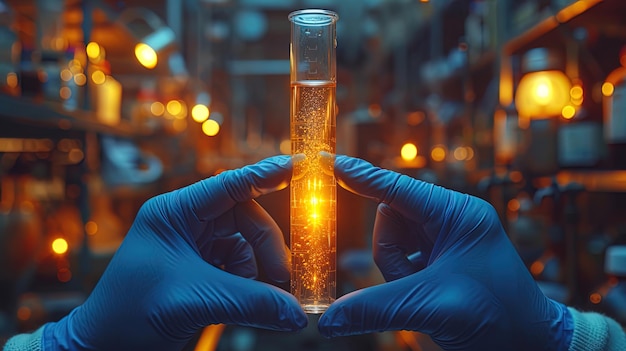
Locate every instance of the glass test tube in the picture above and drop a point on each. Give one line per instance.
(313, 222)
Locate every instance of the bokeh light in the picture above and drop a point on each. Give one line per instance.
(60, 246)
(408, 152)
(146, 55)
(210, 127)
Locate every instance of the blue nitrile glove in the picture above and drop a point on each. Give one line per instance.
(164, 284)
(467, 287)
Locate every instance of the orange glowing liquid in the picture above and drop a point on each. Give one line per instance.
(313, 196)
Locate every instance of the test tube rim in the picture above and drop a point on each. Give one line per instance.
(332, 17)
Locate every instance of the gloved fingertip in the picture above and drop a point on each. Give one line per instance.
(323, 328)
(299, 166)
(327, 163)
(301, 319)
(297, 319)
(297, 158)
(331, 323)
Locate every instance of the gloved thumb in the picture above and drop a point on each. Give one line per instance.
(373, 309)
(221, 297)
(420, 302)
(213, 196)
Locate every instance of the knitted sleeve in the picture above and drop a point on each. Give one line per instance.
(25, 342)
(596, 332)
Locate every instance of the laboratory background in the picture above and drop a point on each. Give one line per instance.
(106, 103)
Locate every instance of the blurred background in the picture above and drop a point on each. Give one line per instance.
(105, 103)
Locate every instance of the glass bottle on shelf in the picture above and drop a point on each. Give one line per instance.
(580, 143)
(614, 111)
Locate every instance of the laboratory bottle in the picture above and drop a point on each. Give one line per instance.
(614, 111)
(580, 143)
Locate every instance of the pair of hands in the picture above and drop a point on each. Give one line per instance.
(466, 287)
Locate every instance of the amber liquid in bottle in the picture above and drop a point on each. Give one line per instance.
(313, 195)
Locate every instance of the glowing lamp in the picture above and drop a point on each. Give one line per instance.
(156, 41)
(544, 90)
(146, 55)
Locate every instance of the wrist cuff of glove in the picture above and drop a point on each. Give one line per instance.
(26, 342)
(596, 332)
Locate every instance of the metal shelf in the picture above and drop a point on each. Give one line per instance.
(547, 24)
(49, 116)
(595, 180)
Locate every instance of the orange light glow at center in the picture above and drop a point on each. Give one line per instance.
(60, 246)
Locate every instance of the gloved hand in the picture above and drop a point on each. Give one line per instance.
(451, 271)
(164, 284)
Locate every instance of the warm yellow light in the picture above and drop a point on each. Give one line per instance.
(314, 209)
(75, 66)
(157, 108)
(513, 205)
(93, 50)
(543, 91)
(12, 80)
(470, 153)
(59, 246)
(461, 153)
(80, 79)
(98, 77)
(174, 107)
(75, 155)
(183, 110)
(568, 112)
(537, 267)
(210, 127)
(210, 337)
(415, 118)
(595, 298)
(66, 75)
(285, 147)
(65, 93)
(576, 92)
(542, 94)
(146, 55)
(438, 153)
(200, 113)
(607, 89)
(408, 152)
(575, 9)
(91, 227)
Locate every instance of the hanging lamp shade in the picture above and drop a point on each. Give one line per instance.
(544, 89)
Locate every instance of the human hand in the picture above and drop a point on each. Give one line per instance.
(164, 284)
(451, 271)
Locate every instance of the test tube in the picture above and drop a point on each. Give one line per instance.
(313, 216)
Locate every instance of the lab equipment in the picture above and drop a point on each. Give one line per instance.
(313, 188)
